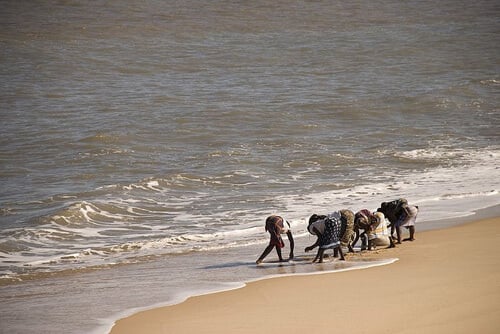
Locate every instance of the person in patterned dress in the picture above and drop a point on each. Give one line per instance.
(347, 217)
(329, 231)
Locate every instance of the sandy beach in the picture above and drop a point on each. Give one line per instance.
(447, 281)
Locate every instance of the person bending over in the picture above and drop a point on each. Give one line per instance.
(328, 229)
(407, 219)
(378, 233)
(276, 226)
(348, 233)
(393, 211)
(362, 221)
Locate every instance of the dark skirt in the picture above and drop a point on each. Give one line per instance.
(333, 233)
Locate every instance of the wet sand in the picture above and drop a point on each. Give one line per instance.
(447, 281)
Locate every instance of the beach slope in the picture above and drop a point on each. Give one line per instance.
(447, 281)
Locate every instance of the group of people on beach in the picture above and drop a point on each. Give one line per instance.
(343, 228)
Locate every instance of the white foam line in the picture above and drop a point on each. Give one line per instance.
(109, 323)
(322, 272)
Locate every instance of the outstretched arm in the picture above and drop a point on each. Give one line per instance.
(292, 243)
(356, 236)
(316, 244)
(310, 248)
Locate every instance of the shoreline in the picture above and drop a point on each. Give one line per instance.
(233, 310)
(488, 212)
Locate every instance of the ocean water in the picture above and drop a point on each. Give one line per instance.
(143, 143)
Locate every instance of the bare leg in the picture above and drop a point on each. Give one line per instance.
(341, 253)
(266, 252)
(292, 244)
(356, 236)
(391, 245)
(278, 251)
(398, 233)
(363, 241)
(412, 233)
(349, 246)
(319, 255)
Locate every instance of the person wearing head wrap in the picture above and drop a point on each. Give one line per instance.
(378, 233)
(393, 211)
(362, 221)
(328, 229)
(276, 226)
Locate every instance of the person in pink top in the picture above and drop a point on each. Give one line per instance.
(276, 226)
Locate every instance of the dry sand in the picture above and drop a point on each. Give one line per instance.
(447, 281)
